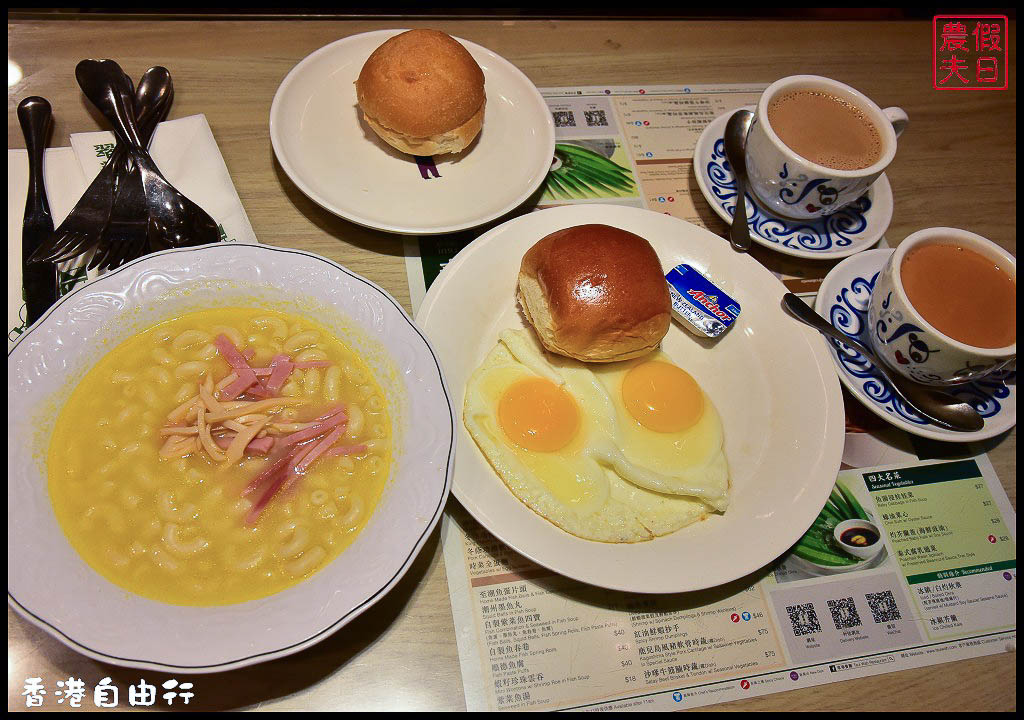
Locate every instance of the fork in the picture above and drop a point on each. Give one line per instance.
(125, 236)
(174, 220)
(83, 229)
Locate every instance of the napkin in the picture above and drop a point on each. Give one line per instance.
(184, 150)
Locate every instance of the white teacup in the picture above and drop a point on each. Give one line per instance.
(908, 343)
(790, 185)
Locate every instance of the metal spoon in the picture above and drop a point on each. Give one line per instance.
(735, 151)
(942, 408)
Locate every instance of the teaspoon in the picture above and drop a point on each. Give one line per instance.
(735, 151)
(940, 407)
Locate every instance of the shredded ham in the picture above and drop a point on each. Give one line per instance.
(277, 462)
(246, 379)
(238, 361)
(345, 450)
(280, 368)
(257, 509)
(339, 419)
(235, 416)
(230, 353)
(260, 446)
(319, 449)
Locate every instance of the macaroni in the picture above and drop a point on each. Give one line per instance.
(141, 478)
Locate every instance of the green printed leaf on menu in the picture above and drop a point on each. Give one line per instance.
(582, 173)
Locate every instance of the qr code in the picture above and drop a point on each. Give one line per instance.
(883, 607)
(803, 619)
(844, 613)
(595, 118)
(564, 118)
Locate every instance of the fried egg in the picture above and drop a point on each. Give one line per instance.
(549, 427)
(668, 429)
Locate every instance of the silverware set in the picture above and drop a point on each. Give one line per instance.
(130, 209)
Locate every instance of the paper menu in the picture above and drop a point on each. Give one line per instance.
(530, 639)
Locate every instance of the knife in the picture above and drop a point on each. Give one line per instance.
(38, 279)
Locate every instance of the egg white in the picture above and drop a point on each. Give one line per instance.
(687, 462)
(580, 488)
(690, 463)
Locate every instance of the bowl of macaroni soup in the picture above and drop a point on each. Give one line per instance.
(219, 456)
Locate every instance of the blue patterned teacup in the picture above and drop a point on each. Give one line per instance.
(791, 185)
(913, 347)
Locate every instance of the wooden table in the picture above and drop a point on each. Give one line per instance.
(956, 166)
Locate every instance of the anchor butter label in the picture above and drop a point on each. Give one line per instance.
(698, 304)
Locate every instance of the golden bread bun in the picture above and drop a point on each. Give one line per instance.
(422, 93)
(595, 293)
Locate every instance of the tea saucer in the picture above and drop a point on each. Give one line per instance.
(843, 299)
(856, 227)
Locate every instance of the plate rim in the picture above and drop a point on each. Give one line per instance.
(336, 624)
(835, 416)
(702, 141)
(930, 431)
(282, 157)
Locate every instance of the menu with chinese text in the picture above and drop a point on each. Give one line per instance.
(941, 587)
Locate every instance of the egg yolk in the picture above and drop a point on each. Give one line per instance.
(538, 415)
(662, 397)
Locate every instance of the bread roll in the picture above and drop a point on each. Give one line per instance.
(595, 293)
(422, 93)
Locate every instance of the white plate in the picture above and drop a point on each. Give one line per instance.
(856, 227)
(770, 378)
(843, 300)
(323, 144)
(48, 583)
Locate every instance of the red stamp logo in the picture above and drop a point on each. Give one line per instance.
(970, 52)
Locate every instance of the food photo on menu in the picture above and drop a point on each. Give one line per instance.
(411, 359)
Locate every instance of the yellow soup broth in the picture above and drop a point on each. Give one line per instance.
(157, 511)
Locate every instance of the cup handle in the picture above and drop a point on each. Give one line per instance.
(898, 118)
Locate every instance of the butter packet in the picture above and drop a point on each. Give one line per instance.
(698, 304)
